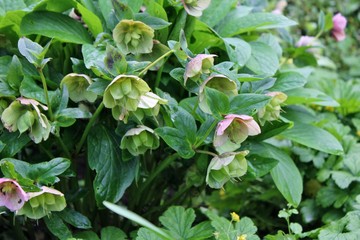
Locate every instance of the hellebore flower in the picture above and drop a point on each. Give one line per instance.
(133, 37)
(272, 110)
(305, 41)
(20, 116)
(217, 82)
(42, 203)
(123, 94)
(233, 130)
(12, 196)
(280, 6)
(339, 25)
(198, 65)
(226, 167)
(77, 85)
(138, 140)
(195, 7)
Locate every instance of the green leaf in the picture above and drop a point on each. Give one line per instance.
(330, 195)
(305, 59)
(178, 221)
(122, 10)
(90, 19)
(285, 174)
(88, 235)
(111, 233)
(343, 179)
(154, 22)
(248, 103)
(314, 137)
(54, 25)
(238, 50)
(263, 60)
(247, 227)
(309, 95)
(15, 73)
(136, 218)
(11, 5)
(217, 101)
(259, 166)
(220, 7)
(94, 59)
(33, 52)
(321, 21)
(13, 143)
(113, 176)
(271, 41)
(74, 218)
(176, 139)
(108, 12)
(288, 80)
(203, 37)
(57, 227)
(185, 123)
(271, 129)
(44, 172)
(252, 22)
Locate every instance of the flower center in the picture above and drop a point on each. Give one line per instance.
(7, 187)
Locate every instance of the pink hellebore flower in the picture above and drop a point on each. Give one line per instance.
(233, 130)
(280, 6)
(305, 41)
(12, 195)
(339, 25)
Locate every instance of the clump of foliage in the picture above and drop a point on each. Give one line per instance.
(191, 119)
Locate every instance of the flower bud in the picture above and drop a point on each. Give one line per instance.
(272, 110)
(225, 167)
(133, 37)
(77, 85)
(138, 140)
(195, 7)
(12, 196)
(198, 65)
(339, 25)
(220, 83)
(233, 130)
(43, 203)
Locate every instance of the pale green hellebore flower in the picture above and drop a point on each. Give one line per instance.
(133, 37)
(77, 85)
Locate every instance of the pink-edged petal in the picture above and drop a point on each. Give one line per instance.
(339, 22)
(223, 125)
(339, 35)
(242, 117)
(220, 140)
(252, 127)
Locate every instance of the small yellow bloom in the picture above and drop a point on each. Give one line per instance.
(234, 217)
(358, 133)
(242, 237)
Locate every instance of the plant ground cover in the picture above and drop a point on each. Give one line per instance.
(169, 119)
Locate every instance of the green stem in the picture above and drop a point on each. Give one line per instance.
(164, 164)
(64, 147)
(43, 80)
(206, 152)
(206, 135)
(155, 62)
(88, 127)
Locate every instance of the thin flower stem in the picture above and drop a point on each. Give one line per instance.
(206, 152)
(155, 62)
(88, 127)
(206, 135)
(64, 147)
(43, 80)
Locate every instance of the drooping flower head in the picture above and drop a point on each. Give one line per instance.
(24, 114)
(12, 196)
(339, 25)
(149, 105)
(233, 130)
(41, 203)
(133, 37)
(272, 110)
(195, 7)
(305, 41)
(220, 83)
(77, 85)
(123, 94)
(226, 167)
(138, 140)
(198, 65)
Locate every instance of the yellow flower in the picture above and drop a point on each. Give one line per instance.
(242, 237)
(234, 217)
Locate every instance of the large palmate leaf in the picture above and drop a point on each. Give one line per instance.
(113, 175)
